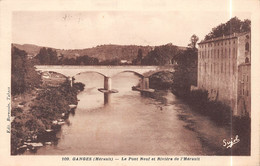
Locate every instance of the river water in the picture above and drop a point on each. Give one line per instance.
(127, 123)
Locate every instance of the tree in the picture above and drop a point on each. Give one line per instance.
(138, 60)
(140, 54)
(234, 25)
(194, 39)
(185, 73)
(47, 56)
(24, 77)
(18, 71)
(161, 55)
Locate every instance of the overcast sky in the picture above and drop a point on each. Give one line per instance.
(70, 30)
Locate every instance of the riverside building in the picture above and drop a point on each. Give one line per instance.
(224, 66)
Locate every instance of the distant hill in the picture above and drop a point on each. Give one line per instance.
(102, 52)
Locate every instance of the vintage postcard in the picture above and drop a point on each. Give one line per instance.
(148, 82)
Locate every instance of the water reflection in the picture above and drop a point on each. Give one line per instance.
(107, 98)
(130, 124)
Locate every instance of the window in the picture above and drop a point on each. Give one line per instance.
(221, 67)
(234, 53)
(247, 60)
(247, 46)
(229, 68)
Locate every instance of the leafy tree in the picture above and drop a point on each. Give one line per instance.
(161, 80)
(161, 55)
(32, 78)
(194, 39)
(185, 73)
(234, 25)
(47, 56)
(140, 54)
(69, 61)
(115, 61)
(24, 77)
(86, 60)
(18, 71)
(138, 60)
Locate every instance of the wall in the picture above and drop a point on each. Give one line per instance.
(218, 62)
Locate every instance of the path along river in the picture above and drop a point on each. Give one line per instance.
(127, 123)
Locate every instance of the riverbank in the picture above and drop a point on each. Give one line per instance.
(222, 116)
(38, 114)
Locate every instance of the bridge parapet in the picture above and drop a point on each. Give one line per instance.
(106, 71)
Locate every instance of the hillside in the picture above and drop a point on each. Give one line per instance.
(102, 52)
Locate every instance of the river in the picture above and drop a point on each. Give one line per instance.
(127, 123)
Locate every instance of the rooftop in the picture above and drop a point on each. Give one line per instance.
(234, 35)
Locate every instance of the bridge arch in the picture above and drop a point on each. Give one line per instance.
(83, 72)
(156, 72)
(50, 72)
(129, 71)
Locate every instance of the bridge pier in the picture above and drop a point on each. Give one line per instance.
(145, 83)
(107, 98)
(71, 79)
(107, 83)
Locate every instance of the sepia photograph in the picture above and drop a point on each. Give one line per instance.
(131, 85)
(111, 83)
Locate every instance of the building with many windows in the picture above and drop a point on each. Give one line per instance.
(224, 71)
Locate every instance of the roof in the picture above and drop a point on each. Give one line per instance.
(234, 35)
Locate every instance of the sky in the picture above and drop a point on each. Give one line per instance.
(86, 29)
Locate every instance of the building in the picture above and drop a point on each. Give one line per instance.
(224, 65)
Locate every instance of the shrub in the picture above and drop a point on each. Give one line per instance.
(16, 111)
(216, 110)
(79, 86)
(198, 99)
(219, 112)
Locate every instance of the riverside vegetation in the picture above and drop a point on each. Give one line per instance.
(36, 106)
(53, 102)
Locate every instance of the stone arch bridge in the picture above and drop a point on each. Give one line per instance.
(107, 71)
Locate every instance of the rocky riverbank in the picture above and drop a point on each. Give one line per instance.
(38, 115)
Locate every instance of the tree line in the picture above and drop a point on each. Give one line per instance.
(160, 55)
(23, 74)
(234, 25)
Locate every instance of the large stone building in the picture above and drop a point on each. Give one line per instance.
(224, 65)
